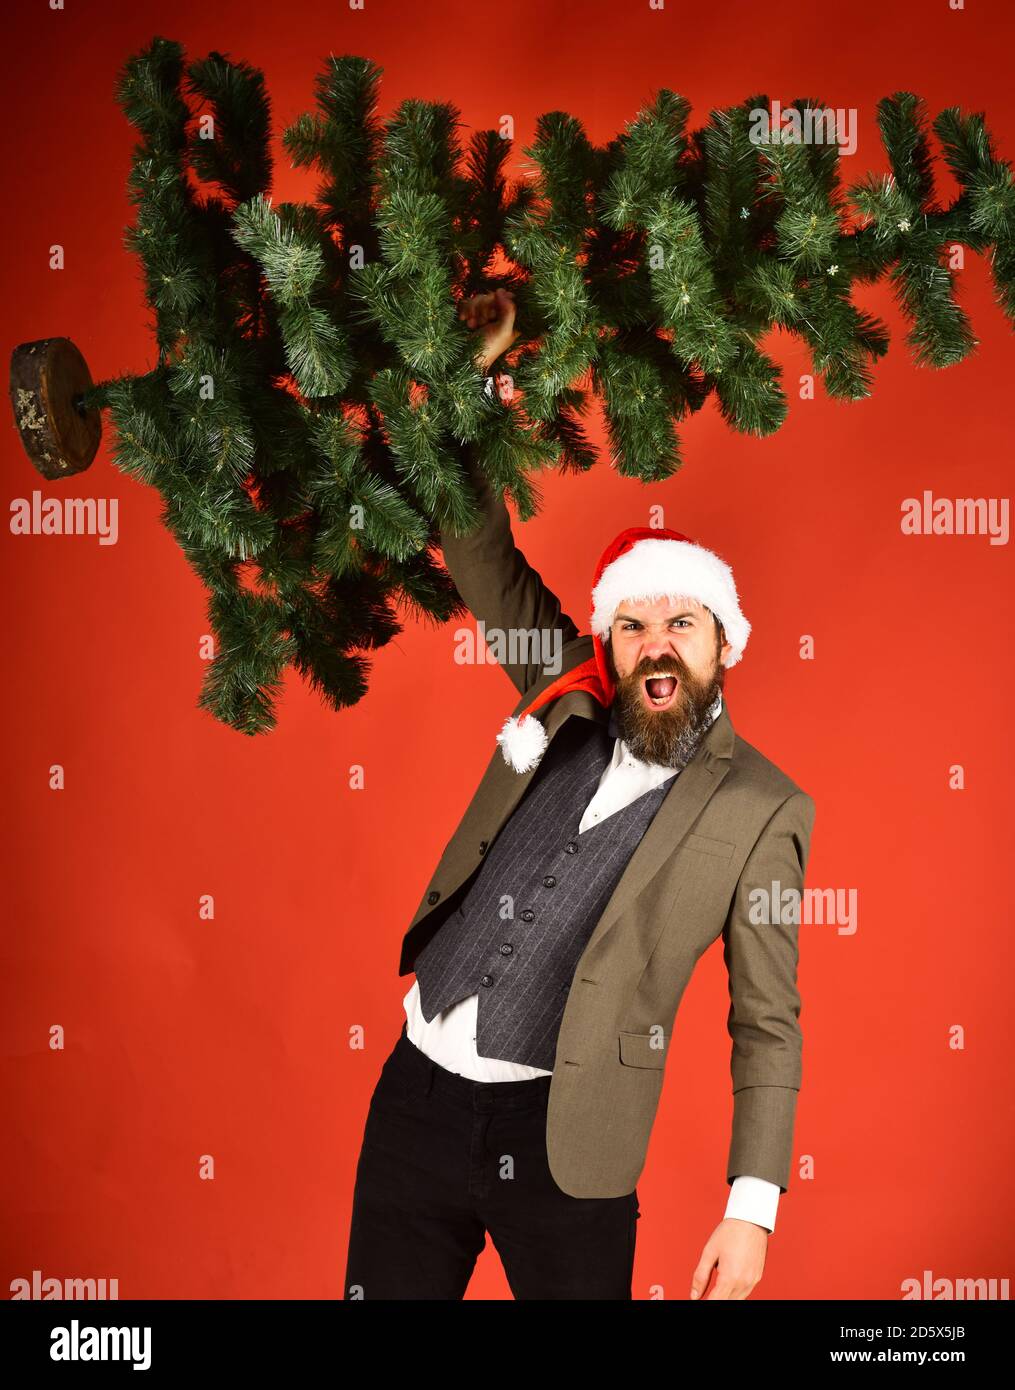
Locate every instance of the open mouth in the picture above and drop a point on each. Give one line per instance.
(660, 691)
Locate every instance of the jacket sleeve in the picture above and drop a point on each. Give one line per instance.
(521, 617)
(760, 949)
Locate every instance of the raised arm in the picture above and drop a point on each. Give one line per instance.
(522, 618)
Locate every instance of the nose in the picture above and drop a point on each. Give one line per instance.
(657, 648)
(658, 645)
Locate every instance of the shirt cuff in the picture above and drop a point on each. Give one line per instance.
(753, 1199)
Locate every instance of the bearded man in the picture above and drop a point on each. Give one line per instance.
(621, 828)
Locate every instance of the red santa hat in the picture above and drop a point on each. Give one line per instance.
(641, 564)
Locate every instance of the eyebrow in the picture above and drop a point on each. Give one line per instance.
(685, 613)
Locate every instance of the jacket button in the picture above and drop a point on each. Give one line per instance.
(506, 948)
(549, 881)
(487, 980)
(570, 847)
(432, 896)
(483, 845)
(528, 915)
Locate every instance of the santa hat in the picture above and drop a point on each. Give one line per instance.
(642, 563)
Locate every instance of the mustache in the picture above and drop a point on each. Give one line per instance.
(666, 665)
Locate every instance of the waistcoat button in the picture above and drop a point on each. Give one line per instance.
(506, 948)
(486, 980)
(432, 896)
(570, 847)
(549, 881)
(528, 915)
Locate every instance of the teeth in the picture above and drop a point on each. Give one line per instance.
(661, 676)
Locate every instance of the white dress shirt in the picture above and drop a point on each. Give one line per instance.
(449, 1038)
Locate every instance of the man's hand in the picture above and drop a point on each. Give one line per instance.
(494, 315)
(739, 1248)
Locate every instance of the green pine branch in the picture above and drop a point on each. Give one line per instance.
(307, 421)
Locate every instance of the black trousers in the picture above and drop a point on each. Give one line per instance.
(444, 1161)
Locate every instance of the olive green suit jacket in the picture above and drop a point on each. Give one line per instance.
(730, 823)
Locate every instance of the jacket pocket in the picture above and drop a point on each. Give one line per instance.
(722, 849)
(637, 1050)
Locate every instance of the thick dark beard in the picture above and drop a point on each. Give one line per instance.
(667, 737)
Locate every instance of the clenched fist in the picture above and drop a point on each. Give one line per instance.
(494, 315)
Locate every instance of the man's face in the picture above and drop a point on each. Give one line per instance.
(666, 658)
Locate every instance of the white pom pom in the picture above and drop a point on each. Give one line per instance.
(522, 742)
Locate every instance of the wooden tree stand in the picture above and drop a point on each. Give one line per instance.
(48, 382)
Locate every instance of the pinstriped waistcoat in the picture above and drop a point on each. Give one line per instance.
(526, 918)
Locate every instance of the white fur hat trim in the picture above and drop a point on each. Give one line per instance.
(654, 569)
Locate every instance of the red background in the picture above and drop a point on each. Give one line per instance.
(186, 1037)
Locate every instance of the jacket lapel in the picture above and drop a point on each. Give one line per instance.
(687, 797)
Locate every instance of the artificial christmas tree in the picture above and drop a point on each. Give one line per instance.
(315, 391)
